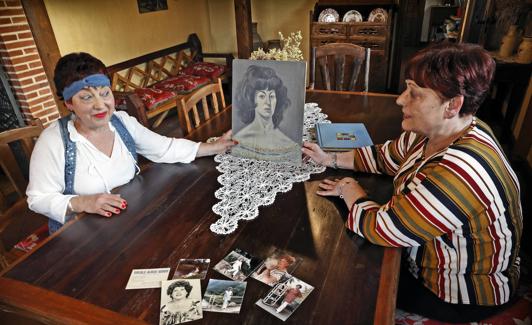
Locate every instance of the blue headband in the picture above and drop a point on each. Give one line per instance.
(94, 80)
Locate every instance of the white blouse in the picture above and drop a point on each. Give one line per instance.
(95, 171)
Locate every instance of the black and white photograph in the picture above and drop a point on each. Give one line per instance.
(180, 301)
(268, 104)
(278, 267)
(224, 296)
(285, 297)
(237, 265)
(192, 268)
(151, 5)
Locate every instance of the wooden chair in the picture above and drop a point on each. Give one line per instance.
(16, 220)
(188, 107)
(339, 64)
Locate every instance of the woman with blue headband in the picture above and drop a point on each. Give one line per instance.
(80, 158)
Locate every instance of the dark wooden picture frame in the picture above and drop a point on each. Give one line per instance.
(152, 5)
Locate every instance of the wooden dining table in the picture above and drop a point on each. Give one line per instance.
(79, 274)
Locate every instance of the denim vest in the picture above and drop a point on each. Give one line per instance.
(70, 156)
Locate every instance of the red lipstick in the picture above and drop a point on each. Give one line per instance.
(100, 115)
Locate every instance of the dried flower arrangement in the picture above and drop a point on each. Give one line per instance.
(290, 49)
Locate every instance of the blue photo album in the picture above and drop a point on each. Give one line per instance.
(342, 136)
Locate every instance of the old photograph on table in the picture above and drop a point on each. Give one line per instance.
(237, 265)
(192, 268)
(285, 297)
(276, 268)
(224, 296)
(268, 104)
(180, 301)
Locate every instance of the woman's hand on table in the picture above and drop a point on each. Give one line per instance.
(346, 188)
(314, 151)
(221, 145)
(103, 204)
(344, 160)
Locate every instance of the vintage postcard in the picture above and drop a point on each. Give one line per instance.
(276, 268)
(285, 297)
(147, 278)
(268, 104)
(223, 296)
(192, 268)
(180, 301)
(237, 265)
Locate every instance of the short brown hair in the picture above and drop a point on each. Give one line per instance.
(452, 70)
(73, 67)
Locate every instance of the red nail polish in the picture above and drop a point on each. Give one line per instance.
(117, 211)
(108, 214)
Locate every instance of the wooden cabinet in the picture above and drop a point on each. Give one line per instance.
(376, 36)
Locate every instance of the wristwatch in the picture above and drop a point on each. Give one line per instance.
(335, 160)
(70, 209)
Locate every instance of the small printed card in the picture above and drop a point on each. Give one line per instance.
(192, 268)
(237, 265)
(147, 278)
(223, 296)
(180, 301)
(276, 268)
(283, 299)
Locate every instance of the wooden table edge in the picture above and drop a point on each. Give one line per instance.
(52, 308)
(388, 284)
(343, 92)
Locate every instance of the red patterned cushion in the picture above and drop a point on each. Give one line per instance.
(153, 97)
(205, 69)
(182, 84)
(34, 239)
(120, 99)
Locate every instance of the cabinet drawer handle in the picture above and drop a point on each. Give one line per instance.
(329, 30)
(370, 45)
(326, 42)
(368, 31)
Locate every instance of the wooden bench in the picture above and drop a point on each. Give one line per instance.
(137, 81)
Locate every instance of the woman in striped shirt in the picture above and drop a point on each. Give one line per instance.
(456, 206)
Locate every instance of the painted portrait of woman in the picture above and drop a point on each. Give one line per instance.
(261, 103)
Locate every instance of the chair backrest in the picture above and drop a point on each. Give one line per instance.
(189, 106)
(15, 150)
(16, 147)
(339, 65)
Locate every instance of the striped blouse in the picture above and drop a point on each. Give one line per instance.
(458, 213)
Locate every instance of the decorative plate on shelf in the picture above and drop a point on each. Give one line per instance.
(352, 16)
(378, 15)
(329, 15)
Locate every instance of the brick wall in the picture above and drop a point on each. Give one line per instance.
(21, 61)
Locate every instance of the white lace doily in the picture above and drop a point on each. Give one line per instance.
(248, 184)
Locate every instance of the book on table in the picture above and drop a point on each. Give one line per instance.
(342, 136)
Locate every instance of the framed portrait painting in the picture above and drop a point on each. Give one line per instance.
(268, 102)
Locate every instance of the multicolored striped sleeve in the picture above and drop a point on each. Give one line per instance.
(384, 158)
(442, 197)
